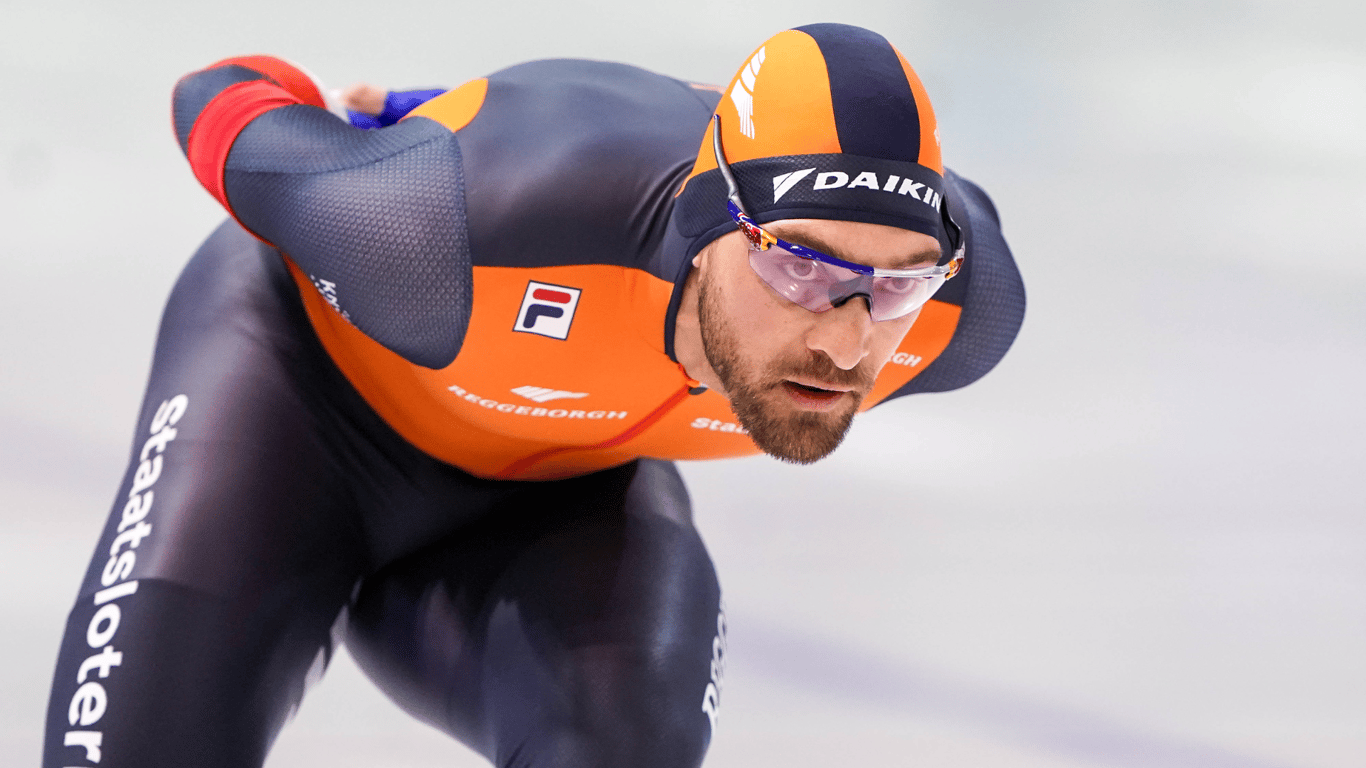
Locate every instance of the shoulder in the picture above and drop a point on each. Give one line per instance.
(583, 90)
(570, 161)
(582, 116)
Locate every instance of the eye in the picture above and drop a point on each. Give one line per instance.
(800, 269)
(898, 285)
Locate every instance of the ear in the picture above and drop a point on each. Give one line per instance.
(701, 255)
(705, 254)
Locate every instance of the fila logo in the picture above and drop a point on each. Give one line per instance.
(784, 182)
(546, 394)
(743, 93)
(547, 310)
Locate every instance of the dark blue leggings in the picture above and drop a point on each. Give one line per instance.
(268, 512)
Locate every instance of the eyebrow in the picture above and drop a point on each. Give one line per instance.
(913, 261)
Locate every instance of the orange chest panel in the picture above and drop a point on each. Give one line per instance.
(563, 372)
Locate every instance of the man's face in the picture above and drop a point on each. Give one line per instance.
(795, 378)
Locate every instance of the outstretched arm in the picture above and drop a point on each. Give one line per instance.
(378, 215)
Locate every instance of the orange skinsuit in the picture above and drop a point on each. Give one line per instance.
(498, 274)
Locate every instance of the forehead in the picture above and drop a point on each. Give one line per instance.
(876, 245)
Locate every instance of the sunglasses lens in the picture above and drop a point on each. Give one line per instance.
(895, 297)
(816, 286)
(803, 282)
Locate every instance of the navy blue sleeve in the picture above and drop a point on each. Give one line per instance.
(379, 215)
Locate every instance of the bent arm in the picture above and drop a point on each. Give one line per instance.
(379, 215)
(211, 107)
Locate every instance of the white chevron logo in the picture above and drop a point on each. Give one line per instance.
(546, 394)
(786, 181)
(743, 93)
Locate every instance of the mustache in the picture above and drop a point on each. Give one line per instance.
(819, 366)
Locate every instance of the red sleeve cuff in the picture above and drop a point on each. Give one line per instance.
(221, 121)
(285, 75)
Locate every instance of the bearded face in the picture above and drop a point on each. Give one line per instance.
(756, 388)
(794, 378)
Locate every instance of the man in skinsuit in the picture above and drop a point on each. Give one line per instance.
(426, 390)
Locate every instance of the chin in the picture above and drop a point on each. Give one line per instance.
(775, 424)
(792, 435)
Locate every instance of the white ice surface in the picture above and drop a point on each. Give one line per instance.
(1141, 541)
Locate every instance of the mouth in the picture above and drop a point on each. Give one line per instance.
(813, 397)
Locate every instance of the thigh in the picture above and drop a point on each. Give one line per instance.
(577, 625)
(233, 541)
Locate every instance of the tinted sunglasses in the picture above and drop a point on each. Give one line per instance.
(819, 282)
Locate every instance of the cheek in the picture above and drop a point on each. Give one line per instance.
(765, 328)
(764, 318)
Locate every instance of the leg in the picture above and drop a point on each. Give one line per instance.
(576, 625)
(233, 543)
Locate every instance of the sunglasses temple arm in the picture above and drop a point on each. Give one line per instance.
(954, 231)
(732, 188)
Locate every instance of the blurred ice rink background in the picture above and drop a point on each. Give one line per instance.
(1141, 541)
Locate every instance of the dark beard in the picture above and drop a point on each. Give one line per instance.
(801, 437)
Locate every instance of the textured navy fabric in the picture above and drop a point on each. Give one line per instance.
(378, 215)
(875, 110)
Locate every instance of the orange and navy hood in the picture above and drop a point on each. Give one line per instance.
(825, 121)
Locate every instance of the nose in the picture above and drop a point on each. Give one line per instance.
(843, 333)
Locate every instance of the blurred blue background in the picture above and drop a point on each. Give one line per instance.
(1141, 541)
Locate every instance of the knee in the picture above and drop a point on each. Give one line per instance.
(617, 702)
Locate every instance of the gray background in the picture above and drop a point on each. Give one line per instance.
(1138, 542)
